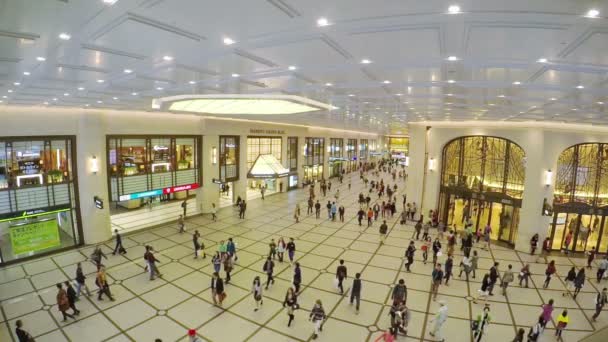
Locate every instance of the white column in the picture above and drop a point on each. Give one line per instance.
(91, 141)
(416, 169)
(240, 186)
(432, 177)
(531, 221)
(301, 159)
(209, 193)
(325, 164)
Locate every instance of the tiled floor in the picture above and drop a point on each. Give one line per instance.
(167, 307)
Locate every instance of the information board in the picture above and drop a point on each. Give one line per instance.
(35, 236)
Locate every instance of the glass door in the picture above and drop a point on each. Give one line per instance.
(561, 221)
(507, 218)
(603, 246)
(587, 234)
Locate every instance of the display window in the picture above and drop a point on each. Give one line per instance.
(336, 159)
(38, 197)
(399, 145)
(292, 153)
(351, 155)
(229, 158)
(262, 145)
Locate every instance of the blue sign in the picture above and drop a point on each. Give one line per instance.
(139, 195)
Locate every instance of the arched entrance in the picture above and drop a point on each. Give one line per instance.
(580, 199)
(482, 179)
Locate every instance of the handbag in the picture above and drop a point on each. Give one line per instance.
(439, 254)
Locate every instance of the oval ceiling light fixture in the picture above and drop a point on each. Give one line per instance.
(451, 81)
(110, 2)
(580, 87)
(134, 94)
(26, 73)
(127, 71)
(365, 61)
(100, 81)
(328, 84)
(40, 59)
(192, 82)
(386, 82)
(168, 58)
(241, 104)
(235, 75)
(228, 41)
(542, 60)
(292, 67)
(516, 83)
(17, 83)
(454, 9)
(64, 36)
(321, 22)
(452, 58)
(592, 13)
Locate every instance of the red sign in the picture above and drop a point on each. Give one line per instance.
(179, 188)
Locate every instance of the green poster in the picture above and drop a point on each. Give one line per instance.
(34, 236)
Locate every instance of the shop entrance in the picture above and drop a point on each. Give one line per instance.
(226, 194)
(313, 173)
(503, 218)
(588, 231)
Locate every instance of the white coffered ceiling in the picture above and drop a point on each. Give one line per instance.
(496, 74)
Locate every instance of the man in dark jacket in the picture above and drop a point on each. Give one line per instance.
(72, 298)
(493, 277)
(409, 254)
(119, 247)
(217, 289)
(355, 291)
(269, 269)
(341, 274)
(399, 294)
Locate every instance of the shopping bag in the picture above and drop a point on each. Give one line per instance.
(439, 254)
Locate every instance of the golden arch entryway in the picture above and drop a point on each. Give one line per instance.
(482, 179)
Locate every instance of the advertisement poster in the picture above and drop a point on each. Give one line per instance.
(34, 237)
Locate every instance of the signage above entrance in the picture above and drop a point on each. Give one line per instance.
(158, 192)
(33, 213)
(266, 131)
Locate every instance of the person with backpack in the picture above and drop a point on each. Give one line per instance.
(256, 289)
(317, 317)
(22, 335)
(341, 274)
(268, 268)
(102, 283)
(480, 325)
(409, 254)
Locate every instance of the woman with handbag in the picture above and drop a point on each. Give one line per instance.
(63, 303)
(22, 335)
(256, 289)
(317, 317)
(291, 303)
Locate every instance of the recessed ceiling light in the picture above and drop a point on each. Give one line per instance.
(516, 83)
(322, 22)
(580, 87)
(134, 94)
(109, 2)
(46, 103)
(292, 67)
(542, 60)
(386, 82)
(127, 71)
(40, 59)
(159, 88)
(26, 73)
(228, 41)
(66, 94)
(449, 94)
(553, 99)
(452, 58)
(451, 81)
(501, 96)
(100, 81)
(365, 61)
(600, 102)
(351, 95)
(491, 104)
(115, 98)
(81, 88)
(55, 99)
(592, 13)
(10, 90)
(454, 9)
(235, 75)
(398, 94)
(17, 83)
(167, 58)
(328, 84)
(86, 105)
(64, 36)
(100, 102)
(192, 82)
(575, 109)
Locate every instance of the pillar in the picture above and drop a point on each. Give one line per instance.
(240, 186)
(301, 159)
(209, 192)
(91, 142)
(416, 169)
(325, 152)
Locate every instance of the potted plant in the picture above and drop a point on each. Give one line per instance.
(55, 176)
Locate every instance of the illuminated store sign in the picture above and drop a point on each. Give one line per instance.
(33, 213)
(158, 192)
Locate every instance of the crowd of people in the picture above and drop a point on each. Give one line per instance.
(378, 203)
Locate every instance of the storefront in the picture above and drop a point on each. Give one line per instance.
(229, 168)
(399, 146)
(482, 178)
(580, 201)
(39, 207)
(336, 159)
(292, 162)
(363, 150)
(351, 155)
(152, 170)
(261, 146)
(314, 149)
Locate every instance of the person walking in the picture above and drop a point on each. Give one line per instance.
(181, 224)
(268, 268)
(328, 207)
(222, 248)
(291, 304)
(242, 209)
(151, 259)
(494, 275)
(399, 294)
(440, 318)
(426, 246)
(81, 281)
(297, 277)
(228, 266)
(272, 249)
(601, 269)
(230, 249)
(22, 335)
(524, 275)
(600, 300)
(296, 213)
(545, 250)
(102, 283)
(197, 244)
(213, 212)
(291, 249)
(216, 261)
(341, 274)
(318, 209)
(370, 217)
(549, 272)
(436, 250)
(355, 292)
(480, 325)
(449, 265)
(535, 330)
(72, 298)
(334, 211)
(341, 211)
(547, 312)
(63, 303)
(590, 256)
(507, 278)
(533, 243)
(217, 289)
(360, 215)
(465, 267)
(97, 255)
(569, 280)
(119, 247)
(417, 229)
(519, 337)
(256, 289)
(579, 281)
(310, 205)
(436, 278)
(562, 323)
(474, 262)
(484, 290)
(281, 245)
(409, 254)
(383, 231)
(184, 207)
(317, 317)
